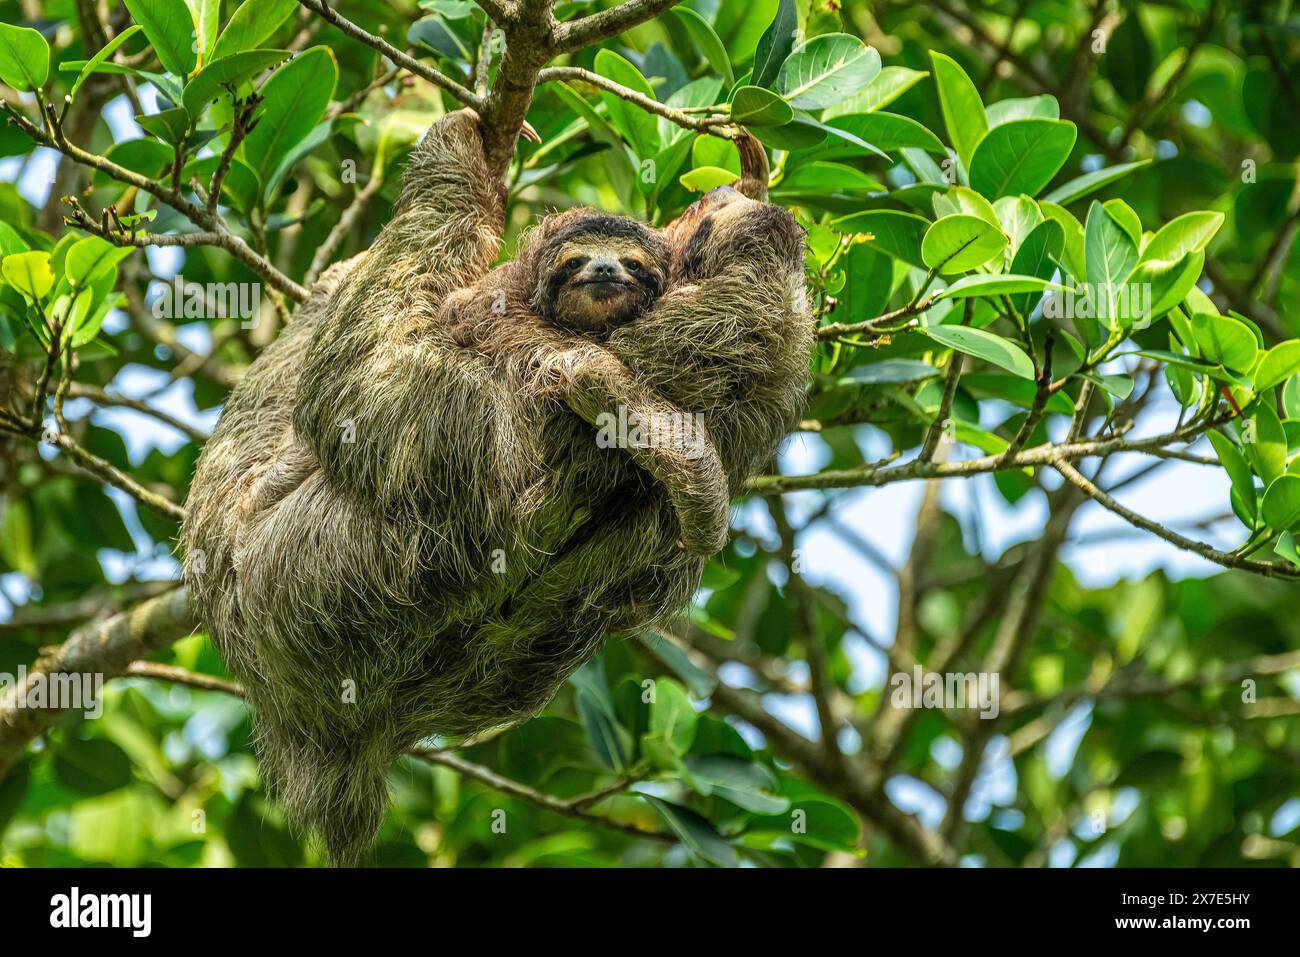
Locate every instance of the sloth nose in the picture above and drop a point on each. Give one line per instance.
(604, 270)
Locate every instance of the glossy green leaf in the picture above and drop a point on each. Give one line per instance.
(641, 129)
(996, 284)
(959, 243)
(294, 100)
(24, 57)
(1110, 254)
(695, 832)
(983, 345)
(896, 233)
(1280, 507)
(1020, 156)
(171, 30)
(252, 24)
(1225, 341)
(1081, 186)
(1041, 107)
(29, 273)
(889, 372)
(226, 74)
(963, 111)
(704, 38)
(1234, 463)
(102, 56)
(755, 106)
(1189, 233)
(775, 44)
(1279, 364)
(889, 85)
(825, 69)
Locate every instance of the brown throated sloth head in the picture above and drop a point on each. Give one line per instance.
(724, 226)
(595, 272)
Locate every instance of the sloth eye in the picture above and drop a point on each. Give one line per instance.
(573, 263)
(632, 265)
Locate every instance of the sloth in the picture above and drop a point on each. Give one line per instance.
(404, 524)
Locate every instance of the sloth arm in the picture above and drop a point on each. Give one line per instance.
(372, 371)
(682, 459)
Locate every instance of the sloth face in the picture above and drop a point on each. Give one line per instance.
(602, 274)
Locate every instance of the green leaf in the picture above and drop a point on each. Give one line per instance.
(1225, 341)
(1111, 255)
(1286, 547)
(1042, 107)
(1265, 444)
(1279, 364)
(170, 27)
(695, 832)
(963, 199)
(641, 129)
(1234, 463)
(704, 178)
(963, 111)
(92, 767)
(892, 83)
(1189, 233)
(814, 820)
(983, 345)
(294, 99)
(1280, 507)
(434, 33)
(29, 273)
(610, 740)
(252, 24)
(226, 74)
(207, 19)
(755, 106)
(896, 233)
(1071, 255)
(825, 69)
(1036, 256)
(672, 717)
(1021, 156)
(91, 258)
(889, 372)
(816, 182)
(1169, 282)
(960, 242)
(700, 682)
(24, 57)
(744, 783)
(1081, 186)
(108, 50)
(996, 285)
(775, 44)
(171, 126)
(707, 41)
(885, 131)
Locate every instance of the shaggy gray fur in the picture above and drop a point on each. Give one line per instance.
(403, 524)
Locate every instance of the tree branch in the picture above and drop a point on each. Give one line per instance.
(106, 649)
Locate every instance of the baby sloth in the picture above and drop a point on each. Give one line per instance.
(600, 272)
(403, 524)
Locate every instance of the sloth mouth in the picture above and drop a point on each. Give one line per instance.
(607, 287)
